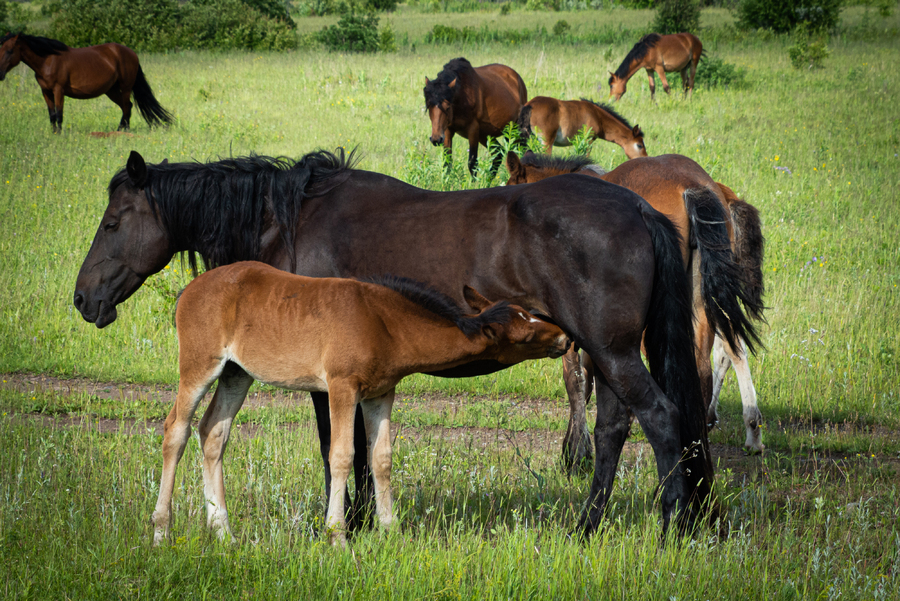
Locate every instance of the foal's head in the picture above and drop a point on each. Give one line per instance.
(516, 335)
(535, 167)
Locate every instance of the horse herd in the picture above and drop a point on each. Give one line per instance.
(652, 257)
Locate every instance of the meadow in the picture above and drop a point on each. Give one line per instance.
(484, 509)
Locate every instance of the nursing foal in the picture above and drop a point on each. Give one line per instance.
(354, 340)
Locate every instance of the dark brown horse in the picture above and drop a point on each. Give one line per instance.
(559, 120)
(110, 69)
(663, 54)
(474, 103)
(712, 220)
(591, 257)
(242, 322)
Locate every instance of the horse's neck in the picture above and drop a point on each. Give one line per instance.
(31, 58)
(637, 65)
(608, 127)
(432, 345)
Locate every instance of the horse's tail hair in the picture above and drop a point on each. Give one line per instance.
(749, 246)
(722, 282)
(152, 112)
(524, 123)
(669, 344)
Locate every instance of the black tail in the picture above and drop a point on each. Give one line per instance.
(524, 123)
(669, 344)
(152, 112)
(723, 286)
(749, 247)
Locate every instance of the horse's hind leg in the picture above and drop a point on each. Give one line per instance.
(610, 433)
(123, 99)
(177, 433)
(577, 450)
(377, 416)
(722, 355)
(215, 428)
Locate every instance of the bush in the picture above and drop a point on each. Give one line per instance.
(781, 16)
(713, 72)
(233, 24)
(353, 33)
(806, 53)
(561, 28)
(676, 16)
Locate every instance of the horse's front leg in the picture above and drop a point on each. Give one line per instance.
(448, 150)
(215, 428)
(577, 450)
(51, 108)
(473, 153)
(342, 401)
(377, 415)
(662, 76)
(652, 85)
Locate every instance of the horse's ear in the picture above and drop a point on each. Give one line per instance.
(513, 165)
(165, 162)
(475, 300)
(636, 132)
(427, 81)
(137, 169)
(452, 84)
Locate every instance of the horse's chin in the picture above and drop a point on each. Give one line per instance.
(106, 315)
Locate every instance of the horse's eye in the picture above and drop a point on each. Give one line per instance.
(111, 226)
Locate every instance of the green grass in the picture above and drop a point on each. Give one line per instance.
(73, 520)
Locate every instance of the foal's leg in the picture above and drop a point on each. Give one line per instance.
(662, 76)
(377, 414)
(342, 401)
(652, 85)
(577, 449)
(177, 433)
(722, 355)
(215, 428)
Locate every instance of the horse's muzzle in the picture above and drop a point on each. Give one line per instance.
(561, 348)
(436, 141)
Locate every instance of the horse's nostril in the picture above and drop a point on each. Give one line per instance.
(79, 300)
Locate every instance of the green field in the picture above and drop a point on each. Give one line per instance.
(815, 517)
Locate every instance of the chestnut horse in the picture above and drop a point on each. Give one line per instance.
(354, 340)
(560, 120)
(589, 256)
(675, 185)
(474, 103)
(663, 54)
(110, 69)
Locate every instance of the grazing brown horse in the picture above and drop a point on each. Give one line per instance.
(474, 102)
(663, 54)
(110, 69)
(712, 219)
(591, 257)
(354, 340)
(560, 120)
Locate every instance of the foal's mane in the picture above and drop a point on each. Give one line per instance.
(38, 45)
(438, 89)
(609, 110)
(442, 305)
(637, 52)
(220, 209)
(570, 164)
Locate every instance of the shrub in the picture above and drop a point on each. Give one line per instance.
(713, 72)
(781, 16)
(386, 39)
(382, 5)
(353, 33)
(233, 24)
(675, 16)
(806, 53)
(561, 28)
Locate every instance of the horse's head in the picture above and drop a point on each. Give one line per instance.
(10, 53)
(517, 335)
(634, 146)
(439, 104)
(535, 167)
(130, 245)
(616, 85)
(520, 172)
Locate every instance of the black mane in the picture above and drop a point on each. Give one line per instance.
(438, 89)
(637, 52)
(38, 45)
(611, 111)
(570, 164)
(219, 209)
(440, 304)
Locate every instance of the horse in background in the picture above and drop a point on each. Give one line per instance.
(663, 54)
(474, 102)
(560, 120)
(591, 257)
(354, 340)
(722, 247)
(111, 69)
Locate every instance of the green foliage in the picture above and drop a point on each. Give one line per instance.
(386, 40)
(781, 16)
(546, 5)
(583, 141)
(561, 27)
(505, 8)
(165, 24)
(382, 5)
(806, 52)
(444, 34)
(676, 16)
(713, 72)
(352, 33)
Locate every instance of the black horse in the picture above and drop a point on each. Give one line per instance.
(590, 256)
